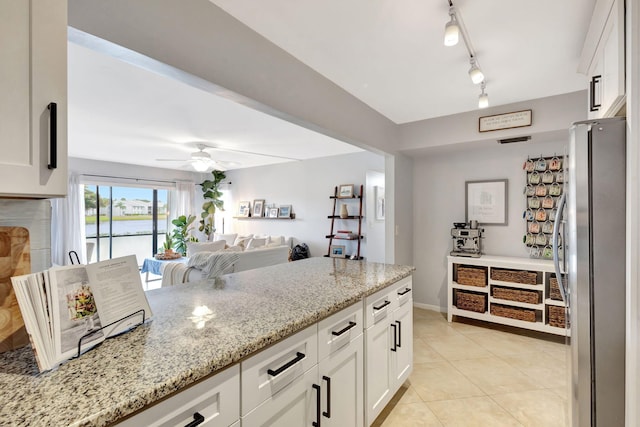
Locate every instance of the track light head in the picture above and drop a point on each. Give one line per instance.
(475, 72)
(451, 30)
(483, 99)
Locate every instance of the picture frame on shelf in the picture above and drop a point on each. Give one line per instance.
(284, 211)
(486, 202)
(258, 208)
(273, 212)
(336, 251)
(345, 191)
(244, 209)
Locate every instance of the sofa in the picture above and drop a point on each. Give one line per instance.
(211, 259)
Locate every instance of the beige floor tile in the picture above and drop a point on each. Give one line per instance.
(408, 414)
(472, 412)
(535, 408)
(423, 353)
(494, 375)
(456, 347)
(406, 394)
(432, 329)
(504, 343)
(541, 367)
(441, 381)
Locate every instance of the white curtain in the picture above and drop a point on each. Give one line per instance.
(182, 200)
(67, 224)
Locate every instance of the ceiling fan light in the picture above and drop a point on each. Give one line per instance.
(200, 165)
(475, 73)
(451, 32)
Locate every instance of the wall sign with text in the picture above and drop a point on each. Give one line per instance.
(516, 119)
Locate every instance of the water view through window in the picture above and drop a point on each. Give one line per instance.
(128, 220)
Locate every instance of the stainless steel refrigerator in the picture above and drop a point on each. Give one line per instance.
(594, 261)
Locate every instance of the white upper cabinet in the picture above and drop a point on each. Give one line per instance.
(33, 105)
(603, 59)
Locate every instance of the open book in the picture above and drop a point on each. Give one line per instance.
(67, 310)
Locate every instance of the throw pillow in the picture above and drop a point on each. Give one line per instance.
(226, 237)
(256, 243)
(234, 249)
(195, 247)
(242, 240)
(278, 240)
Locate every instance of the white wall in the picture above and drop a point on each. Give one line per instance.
(439, 201)
(307, 186)
(374, 228)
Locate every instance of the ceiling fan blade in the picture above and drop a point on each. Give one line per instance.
(173, 160)
(213, 147)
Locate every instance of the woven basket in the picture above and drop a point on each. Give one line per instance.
(470, 301)
(513, 312)
(472, 276)
(554, 291)
(556, 316)
(514, 276)
(520, 295)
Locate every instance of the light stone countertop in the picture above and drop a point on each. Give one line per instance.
(251, 310)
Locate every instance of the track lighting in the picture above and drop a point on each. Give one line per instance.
(483, 99)
(451, 30)
(475, 73)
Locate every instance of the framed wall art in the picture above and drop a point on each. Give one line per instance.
(486, 202)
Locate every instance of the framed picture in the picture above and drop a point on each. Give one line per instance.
(244, 208)
(273, 212)
(258, 208)
(336, 251)
(345, 191)
(284, 211)
(486, 202)
(379, 195)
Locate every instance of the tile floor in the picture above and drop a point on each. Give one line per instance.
(469, 373)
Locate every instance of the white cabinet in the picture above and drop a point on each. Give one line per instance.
(342, 368)
(388, 345)
(214, 402)
(33, 78)
(603, 59)
(519, 292)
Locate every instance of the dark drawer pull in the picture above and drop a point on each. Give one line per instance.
(592, 93)
(316, 423)
(399, 333)
(53, 135)
(197, 420)
(328, 411)
(406, 291)
(380, 307)
(343, 330)
(299, 357)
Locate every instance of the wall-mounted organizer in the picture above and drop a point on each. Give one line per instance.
(545, 184)
(341, 213)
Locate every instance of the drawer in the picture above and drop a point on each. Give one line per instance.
(269, 371)
(216, 400)
(404, 291)
(339, 329)
(379, 305)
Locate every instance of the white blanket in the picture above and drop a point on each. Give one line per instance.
(174, 273)
(213, 264)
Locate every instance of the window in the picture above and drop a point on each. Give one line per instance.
(125, 220)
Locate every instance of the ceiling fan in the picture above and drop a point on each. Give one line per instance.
(201, 161)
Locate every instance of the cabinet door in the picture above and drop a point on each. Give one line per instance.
(341, 376)
(33, 75)
(378, 386)
(402, 358)
(295, 405)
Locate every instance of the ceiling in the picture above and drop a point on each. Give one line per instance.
(387, 53)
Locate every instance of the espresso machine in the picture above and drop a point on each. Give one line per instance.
(467, 239)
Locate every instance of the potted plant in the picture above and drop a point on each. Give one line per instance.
(181, 233)
(168, 244)
(211, 195)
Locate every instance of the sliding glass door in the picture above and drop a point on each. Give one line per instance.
(124, 221)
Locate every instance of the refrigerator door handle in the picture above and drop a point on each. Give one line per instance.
(556, 257)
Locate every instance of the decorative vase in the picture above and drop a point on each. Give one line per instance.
(344, 213)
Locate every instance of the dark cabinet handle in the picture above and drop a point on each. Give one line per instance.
(395, 337)
(399, 333)
(380, 307)
(197, 420)
(316, 423)
(53, 135)
(343, 330)
(406, 291)
(328, 411)
(299, 357)
(592, 93)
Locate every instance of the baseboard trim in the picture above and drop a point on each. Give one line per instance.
(430, 307)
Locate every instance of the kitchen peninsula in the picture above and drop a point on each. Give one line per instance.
(240, 315)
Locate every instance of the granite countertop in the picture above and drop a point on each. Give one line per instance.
(250, 310)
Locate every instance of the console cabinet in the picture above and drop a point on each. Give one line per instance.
(512, 291)
(33, 106)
